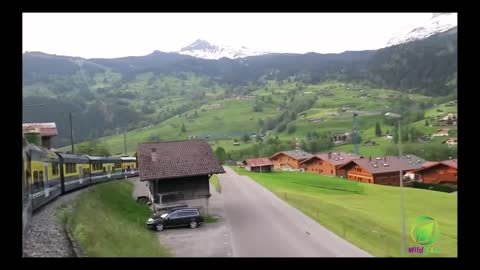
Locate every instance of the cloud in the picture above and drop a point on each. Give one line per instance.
(109, 35)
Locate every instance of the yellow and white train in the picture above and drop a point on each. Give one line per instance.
(47, 175)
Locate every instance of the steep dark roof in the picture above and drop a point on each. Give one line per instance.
(335, 158)
(295, 154)
(254, 162)
(452, 163)
(162, 160)
(394, 163)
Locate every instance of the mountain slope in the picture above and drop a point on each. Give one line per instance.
(440, 22)
(135, 92)
(203, 49)
(426, 65)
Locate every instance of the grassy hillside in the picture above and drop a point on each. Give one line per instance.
(225, 119)
(107, 222)
(367, 215)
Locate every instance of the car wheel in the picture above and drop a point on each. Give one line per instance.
(159, 227)
(193, 224)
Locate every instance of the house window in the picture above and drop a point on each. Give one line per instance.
(118, 165)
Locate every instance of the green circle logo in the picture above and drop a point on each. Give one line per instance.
(425, 230)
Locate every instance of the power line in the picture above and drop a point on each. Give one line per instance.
(34, 105)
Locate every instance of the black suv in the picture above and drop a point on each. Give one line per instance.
(175, 218)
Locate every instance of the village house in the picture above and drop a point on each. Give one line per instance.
(339, 138)
(47, 132)
(328, 163)
(440, 132)
(289, 160)
(178, 172)
(449, 120)
(444, 172)
(450, 141)
(258, 165)
(381, 170)
(370, 142)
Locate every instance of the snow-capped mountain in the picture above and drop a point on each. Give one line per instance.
(439, 22)
(203, 49)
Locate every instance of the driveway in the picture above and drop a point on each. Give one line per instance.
(207, 240)
(263, 225)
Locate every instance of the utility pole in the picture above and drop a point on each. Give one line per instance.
(71, 133)
(125, 140)
(355, 133)
(402, 209)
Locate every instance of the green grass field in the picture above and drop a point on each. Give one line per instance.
(366, 215)
(216, 182)
(107, 222)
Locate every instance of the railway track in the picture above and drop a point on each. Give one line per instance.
(45, 235)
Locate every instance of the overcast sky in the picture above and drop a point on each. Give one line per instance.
(109, 35)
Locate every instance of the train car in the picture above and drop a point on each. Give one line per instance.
(117, 172)
(129, 166)
(44, 171)
(26, 191)
(74, 171)
(104, 169)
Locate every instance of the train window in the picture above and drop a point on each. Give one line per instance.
(40, 179)
(97, 166)
(35, 179)
(70, 167)
(54, 168)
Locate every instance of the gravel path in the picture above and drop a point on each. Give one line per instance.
(208, 240)
(45, 236)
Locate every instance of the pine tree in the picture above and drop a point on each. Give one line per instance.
(378, 131)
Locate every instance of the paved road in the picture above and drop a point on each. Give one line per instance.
(262, 225)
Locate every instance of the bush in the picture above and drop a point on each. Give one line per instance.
(257, 108)
(291, 129)
(281, 127)
(436, 187)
